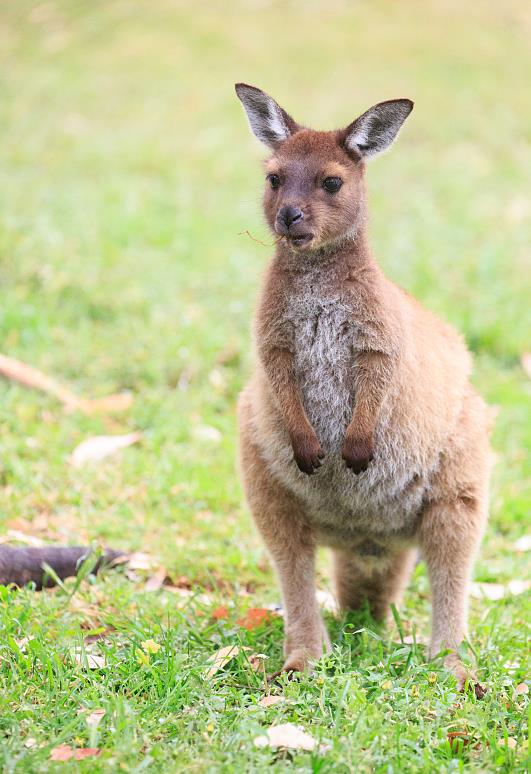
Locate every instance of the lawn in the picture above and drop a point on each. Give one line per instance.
(127, 179)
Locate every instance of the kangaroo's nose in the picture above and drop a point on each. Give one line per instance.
(290, 215)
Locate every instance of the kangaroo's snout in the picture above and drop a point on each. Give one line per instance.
(288, 216)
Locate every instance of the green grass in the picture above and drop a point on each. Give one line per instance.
(127, 175)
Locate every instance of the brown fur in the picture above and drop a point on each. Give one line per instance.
(359, 428)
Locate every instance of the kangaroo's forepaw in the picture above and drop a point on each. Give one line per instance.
(357, 453)
(307, 452)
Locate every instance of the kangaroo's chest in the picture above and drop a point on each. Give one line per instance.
(324, 358)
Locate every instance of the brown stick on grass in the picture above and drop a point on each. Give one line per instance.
(21, 566)
(17, 371)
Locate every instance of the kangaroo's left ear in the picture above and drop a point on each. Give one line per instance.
(375, 130)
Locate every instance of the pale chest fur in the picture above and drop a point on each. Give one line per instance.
(324, 338)
(327, 330)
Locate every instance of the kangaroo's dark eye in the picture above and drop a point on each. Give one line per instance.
(274, 181)
(332, 184)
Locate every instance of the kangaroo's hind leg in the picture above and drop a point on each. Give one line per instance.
(281, 521)
(450, 533)
(373, 574)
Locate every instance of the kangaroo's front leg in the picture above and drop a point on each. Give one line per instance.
(278, 364)
(372, 373)
(280, 518)
(450, 534)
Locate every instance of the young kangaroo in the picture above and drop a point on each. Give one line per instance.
(359, 429)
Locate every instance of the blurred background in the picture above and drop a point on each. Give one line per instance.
(127, 176)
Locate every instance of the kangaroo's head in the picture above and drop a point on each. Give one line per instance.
(314, 191)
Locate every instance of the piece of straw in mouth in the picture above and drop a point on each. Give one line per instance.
(264, 244)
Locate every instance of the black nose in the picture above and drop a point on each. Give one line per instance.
(290, 215)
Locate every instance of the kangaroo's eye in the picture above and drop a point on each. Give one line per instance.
(332, 184)
(274, 181)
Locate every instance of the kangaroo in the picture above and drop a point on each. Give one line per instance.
(359, 429)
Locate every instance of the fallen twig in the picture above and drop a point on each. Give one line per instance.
(17, 371)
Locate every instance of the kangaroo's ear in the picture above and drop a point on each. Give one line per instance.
(375, 130)
(267, 120)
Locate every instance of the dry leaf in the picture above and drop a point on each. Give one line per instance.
(526, 362)
(88, 609)
(100, 446)
(90, 660)
(99, 634)
(453, 736)
(95, 717)
(138, 560)
(522, 689)
(255, 617)
(86, 752)
(62, 753)
(523, 544)
(222, 657)
(156, 581)
(30, 743)
(220, 613)
(496, 591)
(289, 736)
(17, 371)
(110, 404)
(518, 586)
(65, 753)
(183, 583)
(510, 742)
(491, 591)
(268, 701)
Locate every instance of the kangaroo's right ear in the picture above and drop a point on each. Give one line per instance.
(267, 120)
(377, 128)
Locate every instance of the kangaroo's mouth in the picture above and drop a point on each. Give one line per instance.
(299, 240)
